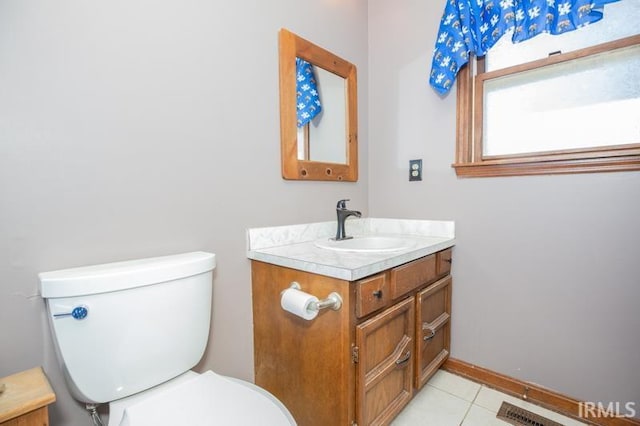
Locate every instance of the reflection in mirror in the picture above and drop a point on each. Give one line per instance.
(316, 81)
(323, 138)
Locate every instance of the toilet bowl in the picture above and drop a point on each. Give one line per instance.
(200, 399)
(128, 334)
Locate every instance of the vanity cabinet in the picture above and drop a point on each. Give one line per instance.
(359, 365)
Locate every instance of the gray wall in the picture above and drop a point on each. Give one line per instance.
(546, 270)
(142, 128)
(138, 128)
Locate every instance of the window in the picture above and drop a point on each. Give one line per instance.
(554, 104)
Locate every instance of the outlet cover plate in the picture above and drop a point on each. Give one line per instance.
(415, 170)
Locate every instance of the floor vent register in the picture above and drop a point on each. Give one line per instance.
(520, 417)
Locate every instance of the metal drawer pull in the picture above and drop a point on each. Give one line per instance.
(448, 260)
(429, 337)
(404, 359)
(378, 294)
(432, 327)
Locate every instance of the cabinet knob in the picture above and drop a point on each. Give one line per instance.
(377, 294)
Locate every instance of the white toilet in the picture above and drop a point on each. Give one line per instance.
(128, 333)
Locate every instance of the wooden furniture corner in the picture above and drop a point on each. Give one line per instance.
(25, 398)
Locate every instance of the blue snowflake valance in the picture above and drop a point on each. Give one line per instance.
(474, 26)
(308, 99)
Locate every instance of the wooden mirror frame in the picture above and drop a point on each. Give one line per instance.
(290, 47)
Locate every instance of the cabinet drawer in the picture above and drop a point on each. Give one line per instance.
(371, 294)
(412, 275)
(443, 261)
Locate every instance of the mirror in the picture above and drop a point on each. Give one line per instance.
(326, 146)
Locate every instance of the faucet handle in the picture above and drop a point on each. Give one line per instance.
(342, 204)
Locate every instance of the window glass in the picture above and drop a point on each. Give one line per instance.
(589, 102)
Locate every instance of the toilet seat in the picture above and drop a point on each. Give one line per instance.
(201, 399)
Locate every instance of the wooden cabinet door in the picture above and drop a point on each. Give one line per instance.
(385, 363)
(433, 329)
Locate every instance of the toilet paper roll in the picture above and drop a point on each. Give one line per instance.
(298, 303)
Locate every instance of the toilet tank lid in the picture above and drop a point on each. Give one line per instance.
(123, 275)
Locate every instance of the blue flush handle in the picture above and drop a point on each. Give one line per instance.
(79, 313)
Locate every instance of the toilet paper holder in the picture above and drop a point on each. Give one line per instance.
(333, 300)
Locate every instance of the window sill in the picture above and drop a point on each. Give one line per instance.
(524, 167)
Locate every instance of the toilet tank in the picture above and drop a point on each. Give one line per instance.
(124, 327)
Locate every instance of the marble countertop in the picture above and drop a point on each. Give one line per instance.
(293, 246)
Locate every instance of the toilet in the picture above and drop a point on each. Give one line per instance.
(128, 334)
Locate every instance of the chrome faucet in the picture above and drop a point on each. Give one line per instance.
(343, 213)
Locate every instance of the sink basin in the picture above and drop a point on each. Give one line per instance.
(367, 244)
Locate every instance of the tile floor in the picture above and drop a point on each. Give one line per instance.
(450, 400)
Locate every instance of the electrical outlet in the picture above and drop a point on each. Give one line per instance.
(415, 170)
